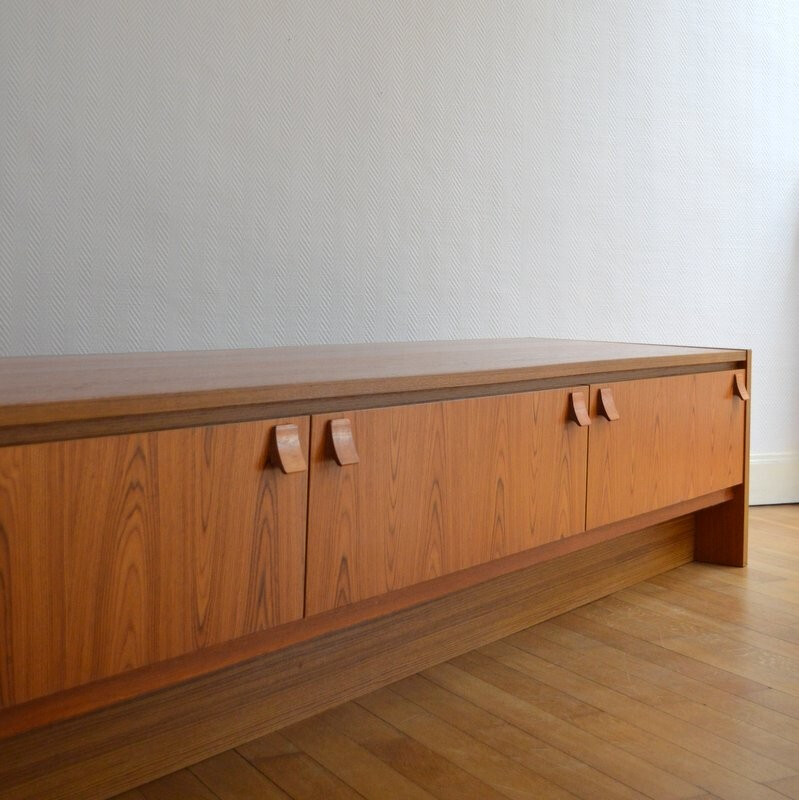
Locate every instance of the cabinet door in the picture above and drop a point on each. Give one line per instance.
(438, 487)
(676, 438)
(122, 551)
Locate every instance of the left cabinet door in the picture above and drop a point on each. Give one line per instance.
(122, 551)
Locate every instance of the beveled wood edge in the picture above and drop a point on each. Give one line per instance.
(98, 755)
(221, 414)
(110, 691)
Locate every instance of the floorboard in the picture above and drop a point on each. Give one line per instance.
(683, 686)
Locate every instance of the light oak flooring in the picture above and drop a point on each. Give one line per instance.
(684, 686)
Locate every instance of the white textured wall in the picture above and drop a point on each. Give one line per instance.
(229, 174)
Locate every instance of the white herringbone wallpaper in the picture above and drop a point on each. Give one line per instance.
(237, 173)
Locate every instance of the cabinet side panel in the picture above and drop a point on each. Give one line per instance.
(722, 531)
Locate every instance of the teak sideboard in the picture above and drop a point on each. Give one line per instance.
(198, 548)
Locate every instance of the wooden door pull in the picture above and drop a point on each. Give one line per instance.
(286, 450)
(577, 409)
(344, 447)
(739, 387)
(606, 405)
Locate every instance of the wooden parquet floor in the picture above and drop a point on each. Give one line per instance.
(684, 686)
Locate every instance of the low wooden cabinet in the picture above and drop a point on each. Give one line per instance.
(198, 548)
(673, 439)
(124, 551)
(440, 487)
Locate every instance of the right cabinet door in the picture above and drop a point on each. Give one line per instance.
(673, 439)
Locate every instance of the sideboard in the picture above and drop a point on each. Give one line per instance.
(197, 548)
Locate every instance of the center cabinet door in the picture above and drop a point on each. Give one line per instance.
(436, 488)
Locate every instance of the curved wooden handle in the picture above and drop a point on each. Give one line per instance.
(577, 409)
(606, 405)
(286, 450)
(344, 447)
(739, 386)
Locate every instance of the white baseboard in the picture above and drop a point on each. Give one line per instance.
(773, 478)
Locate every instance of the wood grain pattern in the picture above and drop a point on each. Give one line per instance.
(407, 756)
(540, 735)
(40, 390)
(90, 697)
(489, 764)
(174, 561)
(440, 487)
(597, 702)
(677, 438)
(119, 552)
(722, 534)
(120, 747)
(235, 778)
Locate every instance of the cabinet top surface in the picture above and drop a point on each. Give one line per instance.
(46, 389)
